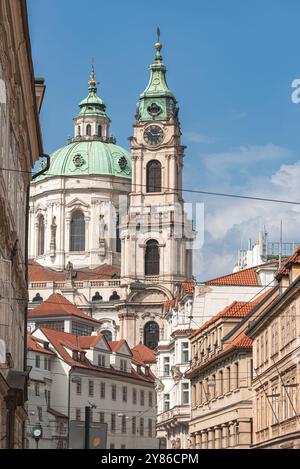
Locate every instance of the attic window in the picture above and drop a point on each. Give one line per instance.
(75, 355)
(139, 369)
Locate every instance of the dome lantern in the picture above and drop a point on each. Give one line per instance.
(92, 122)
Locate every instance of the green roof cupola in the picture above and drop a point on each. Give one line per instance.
(157, 102)
(92, 121)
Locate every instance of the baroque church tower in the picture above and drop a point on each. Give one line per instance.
(156, 234)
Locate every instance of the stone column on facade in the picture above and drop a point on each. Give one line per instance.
(198, 440)
(204, 443)
(218, 437)
(210, 439)
(225, 430)
(232, 434)
(193, 441)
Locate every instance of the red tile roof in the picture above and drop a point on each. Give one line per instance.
(246, 277)
(60, 340)
(34, 345)
(293, 259)
(186, 331)
(87, 341)
(188, 286)
(115, 345)
(237, 309)
(39, 273)
(144, 353)
(58, 306)
(241, 341)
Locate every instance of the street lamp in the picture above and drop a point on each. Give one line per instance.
(37, 433)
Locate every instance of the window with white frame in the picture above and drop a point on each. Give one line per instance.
(184, 352)
(166, 402)
(185, 393)
(166, 366)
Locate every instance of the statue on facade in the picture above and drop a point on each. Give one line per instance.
(70, 271)
(53, 228)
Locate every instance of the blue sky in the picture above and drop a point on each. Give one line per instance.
(230, 65)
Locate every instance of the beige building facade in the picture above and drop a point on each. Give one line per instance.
(276, 357)
(221, 377)
(20, 146)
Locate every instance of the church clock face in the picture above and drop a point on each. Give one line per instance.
(153, 135)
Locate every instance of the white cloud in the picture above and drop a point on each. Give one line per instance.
(229, 223)
(198, 138)
(245, 156)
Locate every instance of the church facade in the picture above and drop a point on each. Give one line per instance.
(108, 228)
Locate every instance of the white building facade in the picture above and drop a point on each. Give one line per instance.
(173, 361)
(90, 371)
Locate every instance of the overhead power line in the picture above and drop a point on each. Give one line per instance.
(192, 191)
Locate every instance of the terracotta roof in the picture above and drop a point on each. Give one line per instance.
(188, 286)
(246, 277)
(293, 259)
(144, 353)
(60, 340)
(39, 273)
(32, 344)
(183, 331)
(88, 341)
(58, 306)
(115, 345)
(237, 309)
(241, 341)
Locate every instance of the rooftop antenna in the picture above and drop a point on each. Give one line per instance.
(280, 247)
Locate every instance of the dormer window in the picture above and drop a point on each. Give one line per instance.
(139, 369)
(123, 365)
(82, 356)
(101, 360)
(75, 355)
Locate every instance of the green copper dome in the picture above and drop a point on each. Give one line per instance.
(89, 157)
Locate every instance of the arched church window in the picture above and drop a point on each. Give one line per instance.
(41, 236)
(152, 258)
(153, 176)
(107, 334)
(77, 232)
(78, 131)
(151, 334)
(88, 130)
(99, 130)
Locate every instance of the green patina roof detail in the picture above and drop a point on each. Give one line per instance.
(92, 105)
(157, 93)
(84, 158)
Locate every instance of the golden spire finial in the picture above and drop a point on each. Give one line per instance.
(92, 81)
(158, 45)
